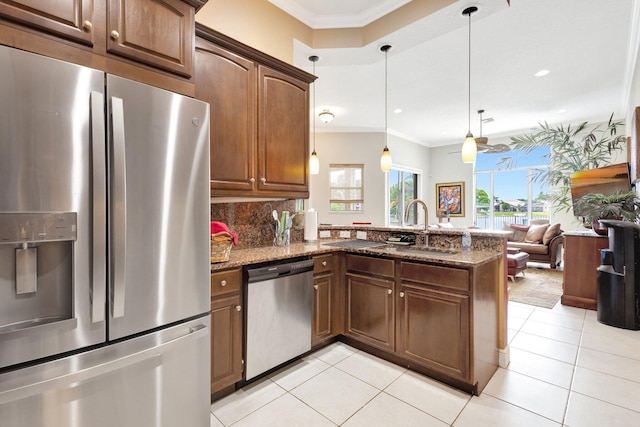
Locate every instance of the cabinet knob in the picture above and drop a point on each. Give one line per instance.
(315, 287)
(252, 180)
(238, 308)
(324, 263)
(115, 35)
(401, 294)
(263, 180)
(87, 26)
(223, 283)
(389, 291)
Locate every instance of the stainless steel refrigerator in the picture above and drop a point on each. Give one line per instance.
(104, 249)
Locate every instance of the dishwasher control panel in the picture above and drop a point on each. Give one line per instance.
(281, 269)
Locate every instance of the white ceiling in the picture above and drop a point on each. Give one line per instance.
(586, 44)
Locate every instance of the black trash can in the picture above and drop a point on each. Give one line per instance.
(618, 277)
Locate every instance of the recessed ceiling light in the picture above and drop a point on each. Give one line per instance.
(397, 111)
(562, 111)
(542, 73)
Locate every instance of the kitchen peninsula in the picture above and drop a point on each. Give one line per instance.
(440, 312)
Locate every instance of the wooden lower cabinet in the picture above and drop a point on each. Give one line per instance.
(580, 276)
(439, 320)
(324, 305)
(226, 329)
(369, 307)
(436, 319)
(434, 329)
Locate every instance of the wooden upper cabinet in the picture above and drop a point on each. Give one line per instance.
(159, 33)
(227, 82)
(259, 119)
(283, 132)
(72, 20)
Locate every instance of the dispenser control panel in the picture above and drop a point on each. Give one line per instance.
(24, 227)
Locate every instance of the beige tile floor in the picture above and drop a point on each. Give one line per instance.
(566, 370)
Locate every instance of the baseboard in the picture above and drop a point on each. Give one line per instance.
(504, 357)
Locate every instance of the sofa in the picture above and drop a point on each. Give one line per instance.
(541, 240)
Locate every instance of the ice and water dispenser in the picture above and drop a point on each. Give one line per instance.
(36, 268)
(619, 278)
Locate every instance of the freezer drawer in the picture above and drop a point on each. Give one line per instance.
(160, 380)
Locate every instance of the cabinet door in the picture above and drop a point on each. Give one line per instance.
(580, 278)
(226, 342)
(322, 308)
(72, 20)
(370, 310)
(434, 329)
(283, 133)
(159, 33)
(227, 82)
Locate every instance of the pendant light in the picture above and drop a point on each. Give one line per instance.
(469, 147)
(314, 162)
(385, 158)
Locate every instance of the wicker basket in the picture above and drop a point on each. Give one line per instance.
(221, 246)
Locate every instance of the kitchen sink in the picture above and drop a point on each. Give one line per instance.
(425, 250)
(353, 244)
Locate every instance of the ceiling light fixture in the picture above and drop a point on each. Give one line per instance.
(469, 147)
(542, 73)
(314, 162)
(326, 116)
(385, 158)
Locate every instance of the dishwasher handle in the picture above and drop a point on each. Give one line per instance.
(276, 270)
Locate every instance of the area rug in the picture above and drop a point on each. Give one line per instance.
(541, 287)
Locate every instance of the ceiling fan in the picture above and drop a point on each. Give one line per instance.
(482, 142)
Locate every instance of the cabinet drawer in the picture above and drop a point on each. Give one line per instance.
(225, 282)
(454, 278)
(370, 265)
(322, 264)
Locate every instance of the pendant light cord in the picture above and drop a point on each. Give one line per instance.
(385, 97)
(469, 94)
(313, 116)
(314, 59)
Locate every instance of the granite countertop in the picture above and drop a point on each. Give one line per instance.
(241, 257)
(585, 232)
(409, 229)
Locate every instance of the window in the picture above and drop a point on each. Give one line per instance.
(510, 196)
(403, 187)
(346, 188)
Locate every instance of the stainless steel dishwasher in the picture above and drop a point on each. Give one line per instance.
(279, 305)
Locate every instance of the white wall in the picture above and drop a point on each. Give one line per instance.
(364, 148)
(446, 166)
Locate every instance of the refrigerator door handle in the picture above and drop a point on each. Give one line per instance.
(99, 275)
(75, 376)
(119, 229)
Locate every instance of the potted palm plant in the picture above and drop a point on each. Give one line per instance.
(624, 206)
(572, 149)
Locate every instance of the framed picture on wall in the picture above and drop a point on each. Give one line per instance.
(450, 198)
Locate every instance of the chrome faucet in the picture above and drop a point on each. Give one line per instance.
(426, 217)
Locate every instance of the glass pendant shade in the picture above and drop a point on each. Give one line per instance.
(314, 164)
(385, 160)
(469, 149)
